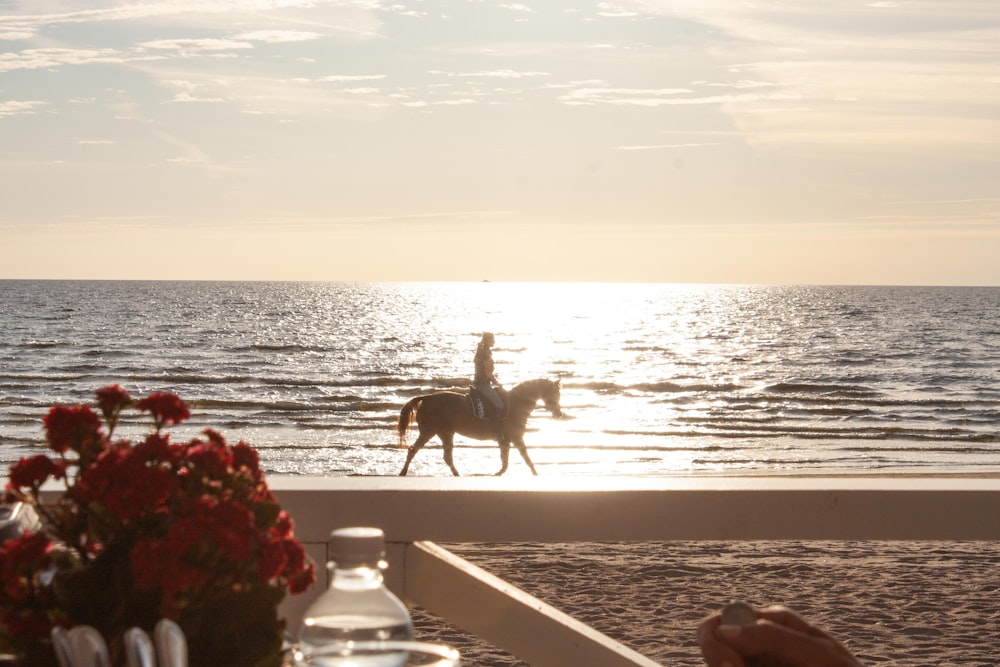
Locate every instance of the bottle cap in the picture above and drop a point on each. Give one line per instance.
(357, 545)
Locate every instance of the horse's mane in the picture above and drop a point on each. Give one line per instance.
(532, 385)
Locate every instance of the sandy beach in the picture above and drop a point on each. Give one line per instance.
(899, 603)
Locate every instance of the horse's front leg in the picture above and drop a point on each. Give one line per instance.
(504, 455)
(519, 443)
(412, 451)
(448, 442)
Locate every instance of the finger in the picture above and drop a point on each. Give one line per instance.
(788, 618)
(716, 652)
(792, 646)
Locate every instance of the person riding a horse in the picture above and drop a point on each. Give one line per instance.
(445, 413)
(486, 383)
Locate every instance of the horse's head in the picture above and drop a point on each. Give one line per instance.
(551, 390)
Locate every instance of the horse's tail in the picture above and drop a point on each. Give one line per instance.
(405, 417)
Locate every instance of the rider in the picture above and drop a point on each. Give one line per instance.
(486, 382)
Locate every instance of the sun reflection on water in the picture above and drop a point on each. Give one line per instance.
(632, 361)
(656, 378)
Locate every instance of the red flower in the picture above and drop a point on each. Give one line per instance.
(35, 471)
(300, 573)
(156, 449)
(165, 407)
(72, 427)
(210, 459)
(245, 456)
(111, 400)
(121, 481)
(149, 561)
(187, 526)
(21, 560)
(272, 560)
(282, 525)
(231, 530)
(160, 565)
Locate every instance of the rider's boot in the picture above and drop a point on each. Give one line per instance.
(498, 428)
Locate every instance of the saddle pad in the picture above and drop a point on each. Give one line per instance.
(478, 408)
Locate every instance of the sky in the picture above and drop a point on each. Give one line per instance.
(704, 141)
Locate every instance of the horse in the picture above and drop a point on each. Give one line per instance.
(446, 413)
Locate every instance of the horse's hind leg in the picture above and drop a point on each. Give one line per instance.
(524, 455)
(413, 449)
(504, 456)
(448, 442)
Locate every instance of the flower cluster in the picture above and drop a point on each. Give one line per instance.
(148, 530)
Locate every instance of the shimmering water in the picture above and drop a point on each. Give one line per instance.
(657, 379)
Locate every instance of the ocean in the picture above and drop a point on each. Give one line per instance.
(658, 379)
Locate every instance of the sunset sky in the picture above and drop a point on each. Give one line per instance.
(719, 141)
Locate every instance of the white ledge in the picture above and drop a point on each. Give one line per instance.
(480, 509)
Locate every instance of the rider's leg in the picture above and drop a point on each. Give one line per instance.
(498, 409)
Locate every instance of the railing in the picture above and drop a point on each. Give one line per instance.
(415, 512)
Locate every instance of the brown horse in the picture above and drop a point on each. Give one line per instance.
(446, 413)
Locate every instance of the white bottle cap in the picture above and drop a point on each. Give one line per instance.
(359, 545)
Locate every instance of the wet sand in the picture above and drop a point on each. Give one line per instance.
(898, 603)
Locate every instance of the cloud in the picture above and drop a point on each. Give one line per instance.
(623, 96)
(861, 75)
(188, 92)
(48, 58)
(277, 36)
(158, 9)
(187, 153)
(188, 97)
(742, 84)
(358, 19)
(195, 46)
(15, 108)
(348, 78)
(266, 94)
(492, 74)
(614, 10)
(16, 35)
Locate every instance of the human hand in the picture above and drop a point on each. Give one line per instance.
(778, 637)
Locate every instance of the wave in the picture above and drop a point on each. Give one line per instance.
(673, 387)
(809, 388)
(653, 387)
(962, 449)
(45, 344)
(328, 404)
(283, 347)
(717, 370)
(731, 430)
(107, 353)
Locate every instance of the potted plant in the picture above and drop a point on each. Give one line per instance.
(138, 531)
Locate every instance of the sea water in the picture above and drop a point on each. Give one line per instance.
(657, 378)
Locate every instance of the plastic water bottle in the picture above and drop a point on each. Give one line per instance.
(356, 607)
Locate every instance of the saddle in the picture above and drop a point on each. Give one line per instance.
(483, 408)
